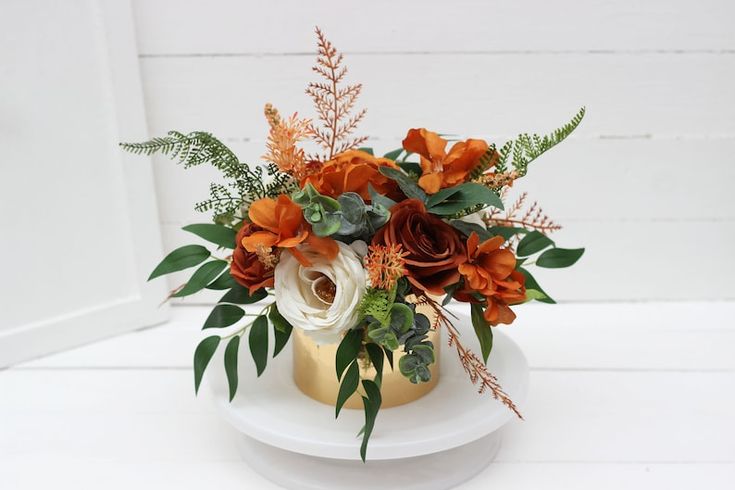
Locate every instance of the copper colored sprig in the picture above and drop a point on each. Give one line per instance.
(473, 366)
(533, 218)
(334, 102)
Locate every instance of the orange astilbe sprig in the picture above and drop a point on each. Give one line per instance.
(385, 264)
(473, 366)
(283, 138)
(334, 102)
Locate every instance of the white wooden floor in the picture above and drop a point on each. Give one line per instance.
(622, 396)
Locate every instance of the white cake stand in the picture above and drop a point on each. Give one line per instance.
(434, 443)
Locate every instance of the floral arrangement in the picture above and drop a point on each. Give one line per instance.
(349, 244)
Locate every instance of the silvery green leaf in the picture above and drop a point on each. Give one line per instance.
(353, 207)
(329, 225)
(379, 199)
(328, 204)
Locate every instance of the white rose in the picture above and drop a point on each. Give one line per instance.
(322, 299)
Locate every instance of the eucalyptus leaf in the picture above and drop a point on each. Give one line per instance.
(217, 234)
(202, 355)
(233, 346)
(377, 198)
(180, 259)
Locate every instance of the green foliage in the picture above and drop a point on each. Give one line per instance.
(556, 258)
(532, 284)
(528, 147)
(483, 330)
(258, 341)
(240, 295)
(218, 234)
(205, 274)
(224, 315)
(461, 198)
(202, 355)
(405, 182)
(371, 404)
(486, 162)
(348, 350)
(281, 329)
(349, 384)
(322, 212)
(359, 220)
(180, 259)
(199, 148)
(231, 351)
(376, 303)
(224, 281)
(533, 242)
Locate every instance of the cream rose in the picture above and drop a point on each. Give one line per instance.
(322, 299)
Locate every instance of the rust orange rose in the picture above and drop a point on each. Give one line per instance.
(250, 269)
(281, 224)
(439, 168)
(432, 249)
(490, 271)
(352, 171)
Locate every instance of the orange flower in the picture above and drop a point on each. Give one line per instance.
(352, 171)
(385, 264)
(490, 271)
(441, 169)
(254, 270)
(283, 226)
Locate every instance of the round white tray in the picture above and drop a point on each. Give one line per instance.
(279, 423)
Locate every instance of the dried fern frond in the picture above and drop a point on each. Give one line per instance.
(533, 218)
(283, 138)
(334, 102)
(473, 366)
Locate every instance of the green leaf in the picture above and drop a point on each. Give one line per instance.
(451, 201)
(393, 155)
(506, 231)
(205, 274)
(281, 329)
(401, 317)
(217, 234)
(389, 356)
(467, 228)
(532, 294)
(348, 386)
(385, 337)
(375, 352)
(224, 316)
(556, 258)
(328, 225)
(348, 350)
(379, 199)
(411, 168)
(533, 242)
(531, 283)
(240, 295)
(483, 330)
(407, 185)
(202, 355)
(258, 341)
(371, 404)
(233, 346)
(180, 259)
(224, 281)
(366, 149)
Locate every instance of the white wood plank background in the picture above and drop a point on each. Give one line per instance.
(644, 184)
(622, 396)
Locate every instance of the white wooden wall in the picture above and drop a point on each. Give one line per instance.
(645, 184)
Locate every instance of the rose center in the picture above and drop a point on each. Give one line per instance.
(325, 289)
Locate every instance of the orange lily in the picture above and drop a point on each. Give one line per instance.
(441, 169)
(283, 226)
(490, 271)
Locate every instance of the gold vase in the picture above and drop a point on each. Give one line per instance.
(314, 372)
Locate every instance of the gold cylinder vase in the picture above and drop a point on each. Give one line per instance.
(314, 372)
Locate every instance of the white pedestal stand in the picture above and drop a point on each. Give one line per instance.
(434, 443)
